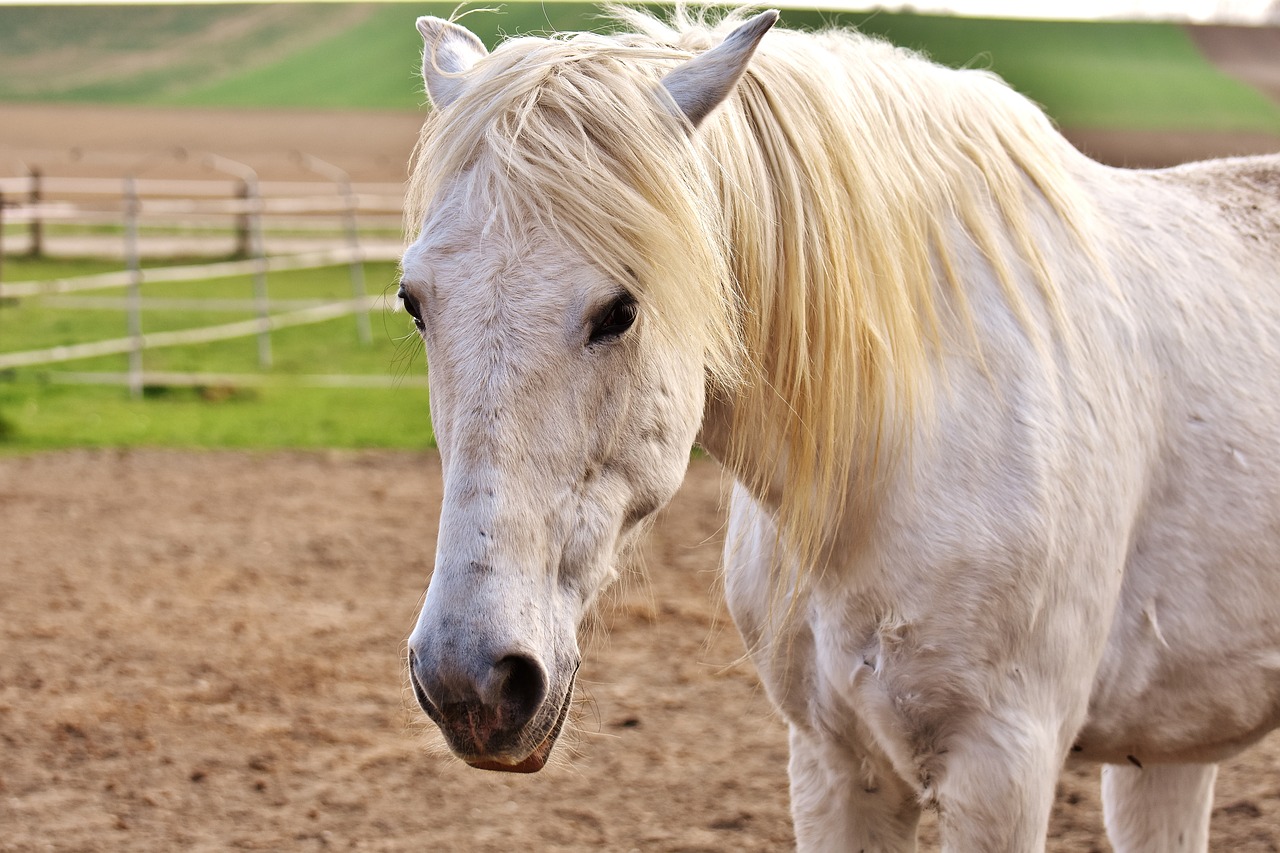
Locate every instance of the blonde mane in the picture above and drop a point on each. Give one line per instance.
(799, 237)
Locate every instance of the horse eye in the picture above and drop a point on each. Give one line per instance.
(411, 306)
(616, 318)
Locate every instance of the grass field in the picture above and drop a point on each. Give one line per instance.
(345, 56)
(36, 413)
(1136, 76)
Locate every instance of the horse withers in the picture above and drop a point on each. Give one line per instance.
(1002, 420)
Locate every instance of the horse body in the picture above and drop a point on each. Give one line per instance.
(1083, 562)
(1057, 539)
(1191, 665)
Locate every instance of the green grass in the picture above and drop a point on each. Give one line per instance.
(377, 64)
(374, 65)
(35, 416)
(1105, 74)
(1128, 75)
(122, 54)
(36, 413)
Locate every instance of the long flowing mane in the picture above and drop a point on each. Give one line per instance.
(803, 237)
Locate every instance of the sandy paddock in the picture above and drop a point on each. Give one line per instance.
(203, 651)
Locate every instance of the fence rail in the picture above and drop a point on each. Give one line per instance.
(323, 223)
(39, 183)
(239, 380)
(195, 272)
(224, 210)
(202, 335)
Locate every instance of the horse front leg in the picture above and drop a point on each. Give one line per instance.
(843, 801)
(996, 787)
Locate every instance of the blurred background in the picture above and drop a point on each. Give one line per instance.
(201, 203)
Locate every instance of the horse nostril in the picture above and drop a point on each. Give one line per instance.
(522, 684)
(516, 683)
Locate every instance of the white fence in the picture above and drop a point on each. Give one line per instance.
(268, 226)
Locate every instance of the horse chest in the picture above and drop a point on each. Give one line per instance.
(891, 688)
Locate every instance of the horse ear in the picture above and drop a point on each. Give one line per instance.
(450, 52)
(702, 83)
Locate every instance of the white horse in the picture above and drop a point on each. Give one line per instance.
(1004, 422)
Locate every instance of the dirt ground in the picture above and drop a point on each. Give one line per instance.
(1248, 53)
(106, 141)
(376, 146)
(203, 651)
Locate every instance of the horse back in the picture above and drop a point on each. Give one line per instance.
(1245, 191)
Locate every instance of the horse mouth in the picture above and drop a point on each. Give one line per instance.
(537, 759)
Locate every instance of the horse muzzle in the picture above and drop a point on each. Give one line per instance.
(501, 718)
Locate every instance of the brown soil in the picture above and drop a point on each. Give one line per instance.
(104, 141)
(203, 651)
(1154, 149)
(376, 146)
(1251, 54)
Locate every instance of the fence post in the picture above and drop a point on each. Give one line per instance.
(1, 244)
(251, 223)
(351, 205)
(259, 249)
(244, 240)
(134, 298)
(37, 224)
(363, 329)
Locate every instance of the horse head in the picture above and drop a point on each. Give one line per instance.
(564, 410)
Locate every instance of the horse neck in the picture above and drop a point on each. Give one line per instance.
(850, 267)
(974, 297)
(755, 458)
